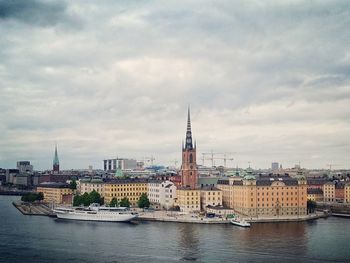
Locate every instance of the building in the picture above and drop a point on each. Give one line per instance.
(316, 183)
(329, 192)
(88, 184)
(111, 165)
(315, 194)
(265, 195)
(188, 200)
(162, 194)
(121, 188)
(24, 167)
(57, 193)
(210, 197)
(274, 166)
(347, 193)
(189, 171)
(56, 162)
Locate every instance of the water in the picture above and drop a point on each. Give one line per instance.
(44, 239)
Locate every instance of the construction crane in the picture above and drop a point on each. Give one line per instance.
(212, 157)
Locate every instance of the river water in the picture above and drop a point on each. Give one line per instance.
(44, 239)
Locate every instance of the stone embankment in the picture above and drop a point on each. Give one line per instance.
(34, 209)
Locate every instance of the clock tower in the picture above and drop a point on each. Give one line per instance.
(189, 171)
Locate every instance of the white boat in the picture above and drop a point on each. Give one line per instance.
(95, 213)
(237, 222)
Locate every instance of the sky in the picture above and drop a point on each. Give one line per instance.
(266, 81)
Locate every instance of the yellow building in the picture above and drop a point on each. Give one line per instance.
(329, 192)
(265, 195)
(210, 197)
(129, 188)
(189, 200)
(315, 194)
(87, 185)
(347, 193)
(57, 193)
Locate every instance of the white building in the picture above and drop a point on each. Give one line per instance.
(119, 163)
(162, 193)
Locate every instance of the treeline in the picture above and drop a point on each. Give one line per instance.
(31, 197)
(88, 198)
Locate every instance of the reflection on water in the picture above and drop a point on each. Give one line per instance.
(189, 242)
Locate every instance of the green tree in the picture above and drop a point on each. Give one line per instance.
(73, 184)
(85, 199)
(77, 200)
(40, 196)
(95, 197)
(311, 206)
(124, 202)
(30, 197)
(143, 201)
(114, 202)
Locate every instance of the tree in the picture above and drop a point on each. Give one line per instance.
(95, 197)
(311, 206)
(73, 184)
(77, 200)
(124, 202)
(87, 198)
(31, 197)
(143, 201)
(40, 196)
(114, 202)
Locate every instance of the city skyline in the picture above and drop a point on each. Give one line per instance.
(111, 79)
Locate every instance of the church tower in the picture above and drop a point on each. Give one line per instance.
(189, 171)
(56, 163)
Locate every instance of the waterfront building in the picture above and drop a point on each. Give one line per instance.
(188, 200)
(161, 193)
(329, 192)
(56, 162)
(121, 188)
(57, 193)
(210, 197)
(88, 184)
(111, 165)
(315, 194)
(347, 193)
(265, 195)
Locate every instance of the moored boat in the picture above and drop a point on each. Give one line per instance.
(242, 222)
(95, 213)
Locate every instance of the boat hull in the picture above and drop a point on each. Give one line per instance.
(97, 217)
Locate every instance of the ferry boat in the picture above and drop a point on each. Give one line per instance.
(95, 212)
(237, 222)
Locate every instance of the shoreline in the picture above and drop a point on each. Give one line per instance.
(40, 209)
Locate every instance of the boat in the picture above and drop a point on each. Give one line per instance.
(237, 222)
(95, 212)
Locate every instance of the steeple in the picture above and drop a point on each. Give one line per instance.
(56, 163)
(188, 144)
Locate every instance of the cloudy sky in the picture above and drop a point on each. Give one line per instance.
(266, 81)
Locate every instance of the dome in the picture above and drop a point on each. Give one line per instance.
(249, 177)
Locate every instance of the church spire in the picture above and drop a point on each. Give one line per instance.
(189, 144)
(56, 163)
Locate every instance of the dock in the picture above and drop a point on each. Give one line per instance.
(34, 209)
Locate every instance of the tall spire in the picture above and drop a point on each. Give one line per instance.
(188, 144)
(55, 159)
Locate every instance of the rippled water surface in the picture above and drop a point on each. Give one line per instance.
(44, 239)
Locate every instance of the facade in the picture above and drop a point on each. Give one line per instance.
(119, 189)
(347, 193)
(111, 165)
(315, 194)
(329, 192)
(56, 163)
(188, 200)
(316, 183)
(189, 171)
(274, 166)
(87, 185)
(265, 195)
(210, 197)
(57, 193)
(162, 194)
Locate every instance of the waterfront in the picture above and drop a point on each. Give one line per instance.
(44, 239)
